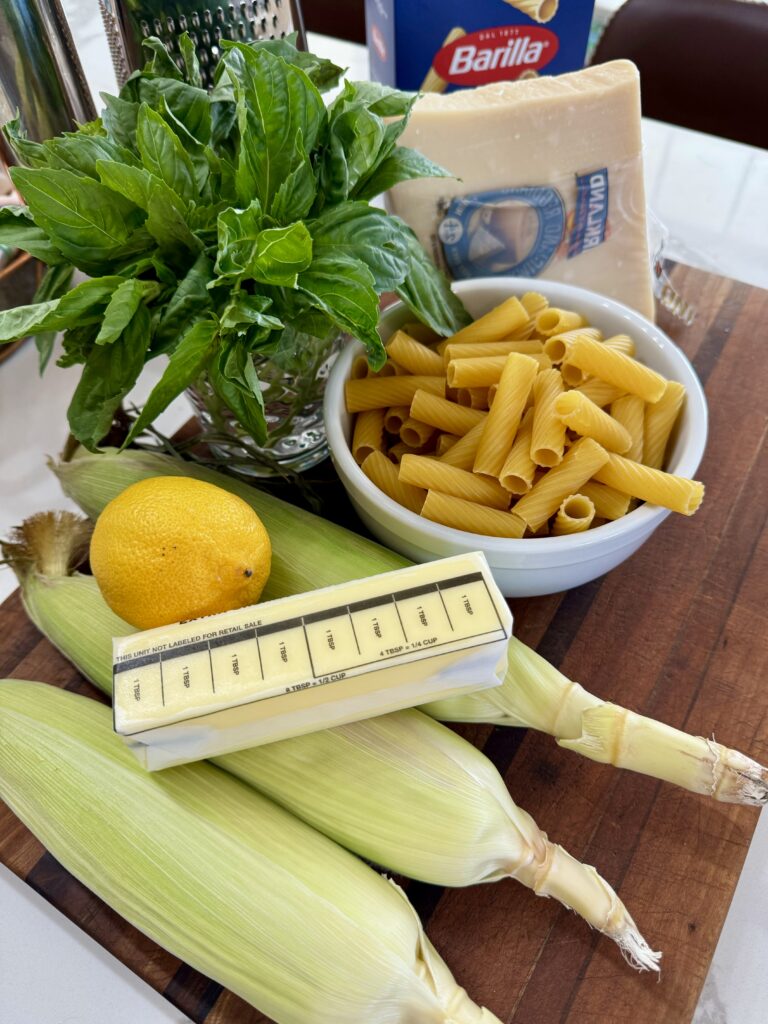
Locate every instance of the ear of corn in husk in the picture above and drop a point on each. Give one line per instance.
(401, 790)
(219, 875)
(534, 694)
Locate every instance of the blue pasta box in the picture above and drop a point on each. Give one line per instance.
(442, 45)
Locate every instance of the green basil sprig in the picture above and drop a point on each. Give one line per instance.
(214, 225)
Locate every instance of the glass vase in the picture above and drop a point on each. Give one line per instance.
(292, 382)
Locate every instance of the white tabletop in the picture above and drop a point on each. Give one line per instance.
(712, 196)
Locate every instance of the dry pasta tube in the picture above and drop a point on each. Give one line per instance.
(437, 476)
(652, 485)
(572, 375)
(445, 415)
(397, 451)
(609, 503)
(548, 431)
(415, 433)
(660, 420)
(629, 411)
(621, 343)
(519, 468)
(368, 434)
(474, 398)
(462, 454)
(359, 369)
(475, 373)
(581, 463)
(444, 442)
(383, 473)
(494, 326)
(595, 359)
(480, 349)
(432, 81)
(469, 516)
(395, 417)
(505, 414)
(378, 393)
(599, 392)
(413, 356)
(492, 394)
(539, 10)
(574, 515)
(557, 346)
(552, 321)
(589, 420)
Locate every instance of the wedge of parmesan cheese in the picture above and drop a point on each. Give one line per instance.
(311, 661)
(549, 182)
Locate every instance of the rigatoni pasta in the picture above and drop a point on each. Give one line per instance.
(505, 414)
(437, 476)
(469, 516)
(383, 472)
(575, 515)
(457, 429)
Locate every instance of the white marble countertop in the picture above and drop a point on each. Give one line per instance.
(712, 196)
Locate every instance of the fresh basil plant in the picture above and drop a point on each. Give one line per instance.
(212, 224)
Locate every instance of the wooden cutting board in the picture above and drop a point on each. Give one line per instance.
(678, 632)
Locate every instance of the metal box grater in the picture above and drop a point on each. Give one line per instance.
(127, 22)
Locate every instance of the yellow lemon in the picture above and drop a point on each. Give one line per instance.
(171, 548)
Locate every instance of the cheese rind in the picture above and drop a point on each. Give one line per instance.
(549, 182)
(310, 661)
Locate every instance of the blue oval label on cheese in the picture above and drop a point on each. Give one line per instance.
(513, 231)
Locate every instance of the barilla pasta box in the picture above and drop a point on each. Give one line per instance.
(442, 45)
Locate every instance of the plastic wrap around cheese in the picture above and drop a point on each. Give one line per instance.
(549, 182)
(311, 661)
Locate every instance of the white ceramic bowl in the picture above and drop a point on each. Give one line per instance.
(541, 565)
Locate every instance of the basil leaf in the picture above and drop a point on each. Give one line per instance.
(427, 291)
(17, 229)
(108, 375)
(281, 253)
(246, 402)
(162, 153)
(189, 104)
(80, 153)
(27, 152)
(119, 118)
(122, 306)
(188, 303)
(160, 63)
(343, 288)
(360, 135)
(237, 234)
(249, 310)
(323, 74)
(187, 362)
(55, 283)
(366, 234)
(403, 164)
(275, 101)
(383, 100)
(191, 63)
(135, 183)
(167, 223)
(25, 320)
(195, 150)
(77, 344)
(87, 222)
(295, 196)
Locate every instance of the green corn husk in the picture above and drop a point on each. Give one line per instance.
(219, 875)
(401, 790)
(309, 552)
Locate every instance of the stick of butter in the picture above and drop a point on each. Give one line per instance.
(311, 661)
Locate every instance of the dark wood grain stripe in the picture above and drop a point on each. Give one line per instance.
(192, 993)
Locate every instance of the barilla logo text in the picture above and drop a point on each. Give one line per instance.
(495, 54)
